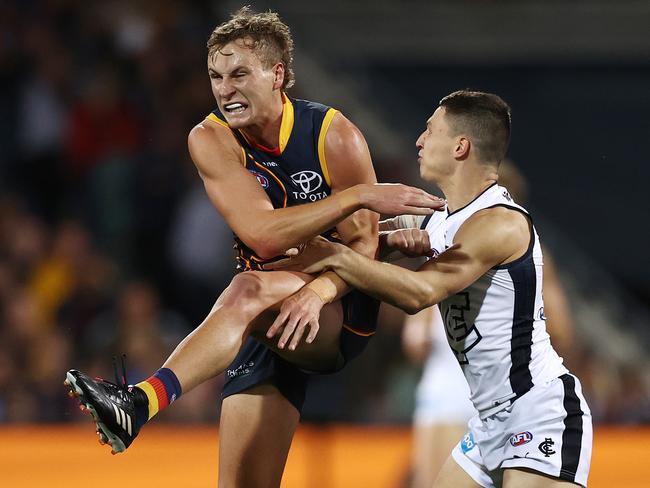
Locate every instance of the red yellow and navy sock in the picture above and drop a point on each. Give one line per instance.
(162, 389)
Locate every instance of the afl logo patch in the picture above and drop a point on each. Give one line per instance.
(308, 181)
(520, 439)
(263, 180)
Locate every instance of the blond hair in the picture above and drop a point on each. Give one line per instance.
(264, 33)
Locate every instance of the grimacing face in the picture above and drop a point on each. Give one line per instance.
(243, 87)
(435, 148)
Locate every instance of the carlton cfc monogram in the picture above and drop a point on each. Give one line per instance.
(547, 447)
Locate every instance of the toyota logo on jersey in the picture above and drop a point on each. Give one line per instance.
(308, 181)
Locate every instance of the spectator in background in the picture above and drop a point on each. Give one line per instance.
(23, 325)
(103, 124)
(43, 115)
(104, 135)
(55, 276)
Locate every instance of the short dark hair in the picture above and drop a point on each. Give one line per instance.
(264, 33)
(484, 117)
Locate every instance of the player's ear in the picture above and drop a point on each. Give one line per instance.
(462, 147)
(278, 74)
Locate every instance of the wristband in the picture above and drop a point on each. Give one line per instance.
(325, 289)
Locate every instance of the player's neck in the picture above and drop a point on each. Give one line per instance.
(266, 132)
(463, 187)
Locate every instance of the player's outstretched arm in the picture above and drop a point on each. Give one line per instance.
(489, 238)
(268, 231)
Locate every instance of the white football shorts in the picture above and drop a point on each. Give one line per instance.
(548, 430)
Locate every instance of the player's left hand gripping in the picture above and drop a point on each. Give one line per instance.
(311, 258)
(300, 310)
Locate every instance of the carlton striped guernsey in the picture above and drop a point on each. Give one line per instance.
(496, 326)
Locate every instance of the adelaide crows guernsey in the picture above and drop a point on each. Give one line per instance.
(496, 326)
(295, 172)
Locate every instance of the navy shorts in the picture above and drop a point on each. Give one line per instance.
(256, 364)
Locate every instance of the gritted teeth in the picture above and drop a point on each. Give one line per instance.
(235, 107)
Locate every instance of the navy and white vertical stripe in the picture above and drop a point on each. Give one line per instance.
(576, 438)
(524, 281)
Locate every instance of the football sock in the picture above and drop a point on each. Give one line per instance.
(162, 389)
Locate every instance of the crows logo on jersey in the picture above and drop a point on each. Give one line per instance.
(461, 331)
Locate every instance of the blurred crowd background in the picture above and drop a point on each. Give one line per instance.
(108, 244)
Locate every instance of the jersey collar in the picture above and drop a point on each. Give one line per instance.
(286, 128)
(449, 214)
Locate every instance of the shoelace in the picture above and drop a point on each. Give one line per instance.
(120, 381)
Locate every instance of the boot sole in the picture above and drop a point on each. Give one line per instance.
(115, 442)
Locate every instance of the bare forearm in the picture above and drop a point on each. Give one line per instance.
(281, 229)
(329, 286)
(392, 284)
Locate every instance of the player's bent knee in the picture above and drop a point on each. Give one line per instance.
(245, 292)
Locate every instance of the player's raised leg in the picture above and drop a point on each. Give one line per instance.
(213, 345)
(120, 410)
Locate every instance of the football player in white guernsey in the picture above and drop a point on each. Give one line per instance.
(533, 426)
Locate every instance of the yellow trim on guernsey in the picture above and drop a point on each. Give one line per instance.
(286, 126)
(151, 395)
(278, 180)
(321, 144)
(216, 119)
(356, 332)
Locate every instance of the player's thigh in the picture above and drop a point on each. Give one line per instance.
(323, 354)
(516, 477)
(453, 476)
(255, 434)
(262, 289)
